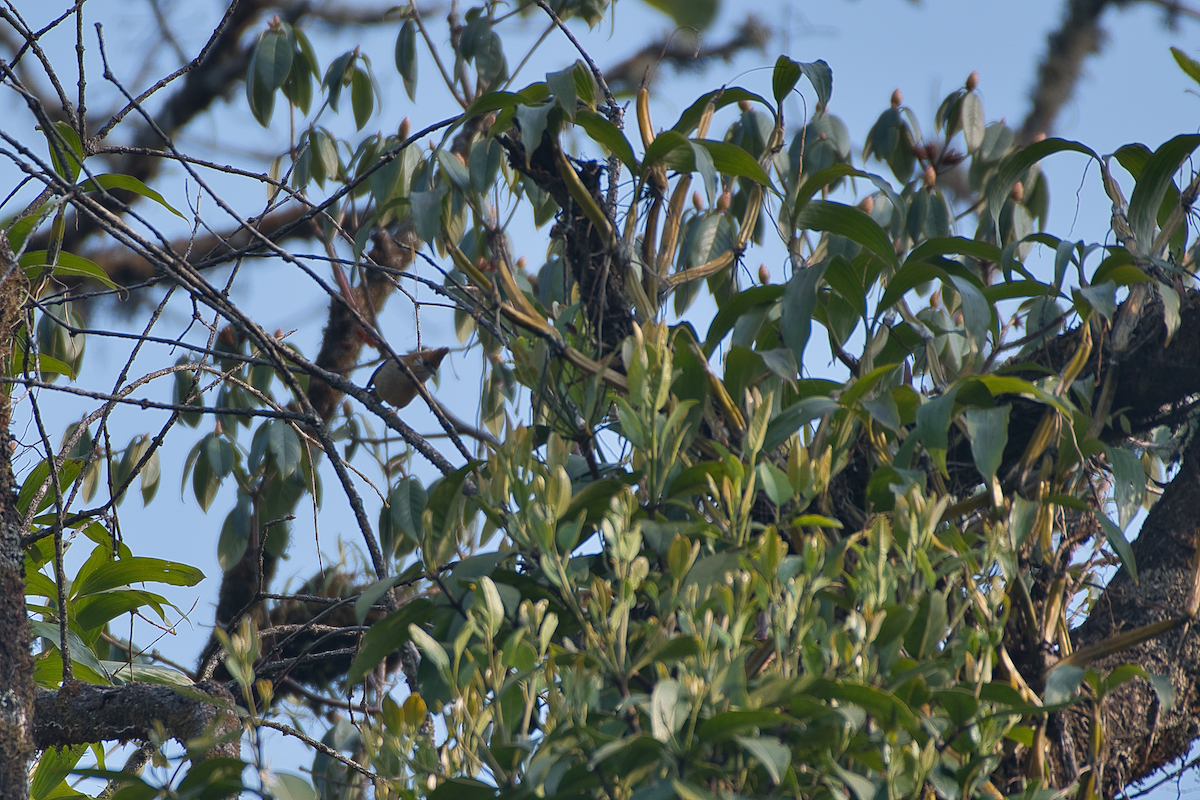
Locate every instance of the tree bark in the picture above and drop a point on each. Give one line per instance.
(16, 657)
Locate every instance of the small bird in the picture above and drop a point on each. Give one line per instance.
(393, 385)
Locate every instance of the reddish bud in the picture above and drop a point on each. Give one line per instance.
(867, 204)
(972, 80)
(724, 201)
(930, 177)
(405, 129)
(697, 203)
(521, 262)
(745, 105)
(897, 98)
(764, 274)
(1018, 192)
(1040, 136)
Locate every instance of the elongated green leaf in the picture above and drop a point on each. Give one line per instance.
(1152, 185)
(770, 752)
(799, 303)
(109, 181)
(1016, 165)
(988, 430)
(66, 151)
(783, 80)
(406, 57)
(848, 221)
(719, 98)
(387, 635)
(1129, 482)
(1120, 545)
(984, 251)
(977, 311)
(821, 77)
(34, 264)
(431, 648)
(734, 308)
(362, 97)
(273, 58)
(733, 160)
(137, 569)
(663, 145)
(1188, 64)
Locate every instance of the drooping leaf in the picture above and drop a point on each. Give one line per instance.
(799, 303)
(406, 57)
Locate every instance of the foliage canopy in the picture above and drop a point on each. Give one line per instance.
(666, 560)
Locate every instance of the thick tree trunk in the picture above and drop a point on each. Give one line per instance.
(16, 657)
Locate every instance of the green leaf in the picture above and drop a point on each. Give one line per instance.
(727, 724)
(362, 97)
(799, 303)
(291, 787)
(977, 311)
(34, 265)
(407, 503)
(770, 752)
(972, 121)
(284, 445)
(562, 84)
(1120, 545)
(775, 483)
(65, 144)
(719, 98)
(429, 646)
(933, 425)
(988, 431)
(273, 58)
(334, 75)
(235, 534)
(54, 764)
(663, 145)
(821, 77)
(697, 14)
(1062, 683)
(1189, 65)
(137, 569)
(1016, 165)
(93, 612)
(787, 72)
(386, 636)
(109, 181)
(850, 222)
(1152, 185)
(1129, 482)
(38, 477)
(406, 57)
(371, 595)
(734, 308)
(732, 160)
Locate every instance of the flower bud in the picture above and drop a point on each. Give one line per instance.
(405, 128)
(972, 80)
(745, 105)
(1018, 192)
(897, 98)
(724, 201)
(930, 177)
(867, 204)
(697, 203)
(764, 274)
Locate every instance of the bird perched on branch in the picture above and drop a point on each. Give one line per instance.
(394, 386)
